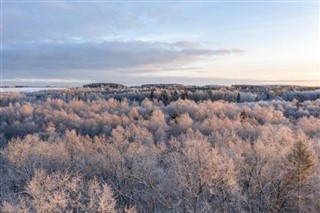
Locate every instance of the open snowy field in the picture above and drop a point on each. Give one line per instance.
(28, 89)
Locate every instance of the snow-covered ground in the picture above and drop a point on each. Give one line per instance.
(28, 89)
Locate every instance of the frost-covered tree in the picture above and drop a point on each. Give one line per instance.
(61, 192)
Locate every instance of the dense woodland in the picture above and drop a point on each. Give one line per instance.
(154, 149)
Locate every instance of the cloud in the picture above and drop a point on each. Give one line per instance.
(26, 21)
(187, 44)
(59, 57)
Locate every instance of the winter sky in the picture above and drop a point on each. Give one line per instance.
(136, 42)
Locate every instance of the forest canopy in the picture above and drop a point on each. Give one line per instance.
(160, 149)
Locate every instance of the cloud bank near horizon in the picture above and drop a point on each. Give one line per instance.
(47, 58)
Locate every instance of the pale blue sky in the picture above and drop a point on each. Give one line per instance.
(71, 43)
